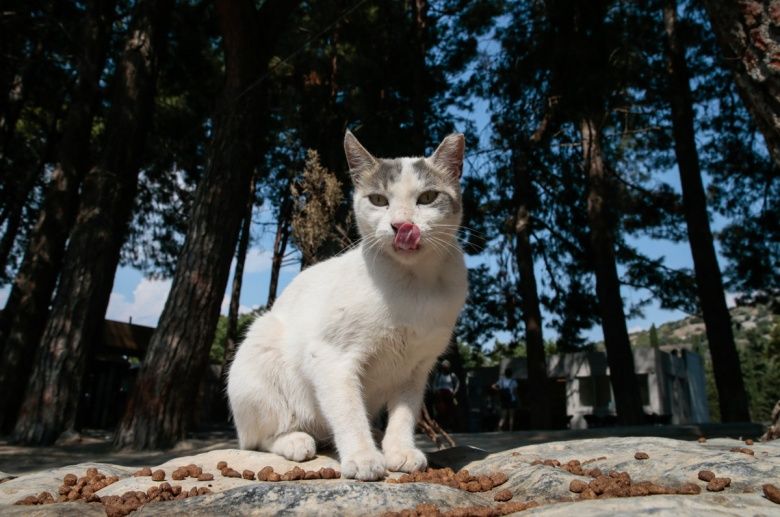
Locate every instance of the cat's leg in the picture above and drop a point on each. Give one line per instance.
(403, 407)
(340, 396)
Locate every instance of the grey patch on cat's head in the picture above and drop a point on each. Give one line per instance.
(380, 177)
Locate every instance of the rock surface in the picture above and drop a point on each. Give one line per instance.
(670, 463)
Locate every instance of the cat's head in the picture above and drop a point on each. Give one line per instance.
(408, 208)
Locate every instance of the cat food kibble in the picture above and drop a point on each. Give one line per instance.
(206, 477)
(158, 475)
(641, 456)
(749, 441)
(262, 474)
(312, 474)
(706, 475)
(193, 470)
(146, 471)
(689, 489)
(69, 479)
(772, 493)
(328, 473)
(577, 486)
(718, 484)
(230, 473)
(179, 474)
(221, 465)
(502, 496)
(743, 450)
(248, 474)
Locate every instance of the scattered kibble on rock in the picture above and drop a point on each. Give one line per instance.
(431, 510)
(743, 450)
(772, 493)
(620, 484)
(641, 456)
(462, 480)
(158, 475)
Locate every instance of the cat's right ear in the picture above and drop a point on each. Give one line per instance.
(358, 158)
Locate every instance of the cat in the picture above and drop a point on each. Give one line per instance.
(360, 332)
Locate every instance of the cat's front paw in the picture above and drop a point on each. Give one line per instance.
(405, 460)
(365, 466)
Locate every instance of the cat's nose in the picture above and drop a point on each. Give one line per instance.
(397, 224)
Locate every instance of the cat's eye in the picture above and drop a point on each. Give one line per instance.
(377, 199)
(427, 197)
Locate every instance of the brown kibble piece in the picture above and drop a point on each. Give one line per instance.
(638, 490)
(230, 473)
(179, 474)
(146, 471)
(158, 475)
(69, 479)
(641, 456)
(274, 476)
(498, 478)
(45, 498)
(206, 477)
(262, 474)
(772, 493)
(203, 490)
(588, 494)
(743, 450)
(749, 441)
(193, 470)
(221, 465)
(706, 475)
(595, 472)
(312, 474)
(689, 489)
(327, 473)
(485, 483)
(503, 495)
(577, 486)
(248, 474)
(92, 472)
(718, 484)
(165, 487)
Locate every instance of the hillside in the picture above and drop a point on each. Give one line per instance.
(749, 322)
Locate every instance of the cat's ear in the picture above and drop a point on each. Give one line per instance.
(358, 158)
(449, 155)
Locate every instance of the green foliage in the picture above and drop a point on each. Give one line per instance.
(217, 351)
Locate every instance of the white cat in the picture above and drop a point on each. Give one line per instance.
(361, 331)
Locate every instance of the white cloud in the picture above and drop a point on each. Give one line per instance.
(257, 260)
(144, 307)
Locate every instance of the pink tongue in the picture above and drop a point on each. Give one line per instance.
(408, 237)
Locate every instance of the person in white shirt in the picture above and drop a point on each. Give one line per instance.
(445, 388)
(507, 394)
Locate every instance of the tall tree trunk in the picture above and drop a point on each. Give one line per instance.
(725, 359)
(529, 300)
(280, 246)
(231, 338)
(92, 255)
(28, 303)
(620, 357)
(159, 408)
(746, 31)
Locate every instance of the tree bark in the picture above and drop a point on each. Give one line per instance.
(160, 407)
(231, 338)
(620, 357)
(280, 246)
(529, 300)
(746, 31)
(28, 303)
(725, 359)
(92, 255)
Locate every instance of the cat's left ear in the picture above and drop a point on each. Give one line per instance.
(449, 155)
(358, 159)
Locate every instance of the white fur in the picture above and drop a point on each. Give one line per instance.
(350, 336)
